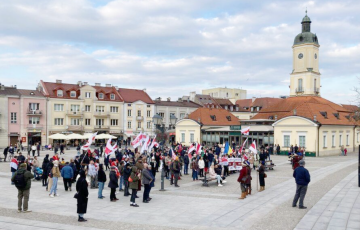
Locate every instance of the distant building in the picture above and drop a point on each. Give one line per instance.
(254, 105)
(226, 93)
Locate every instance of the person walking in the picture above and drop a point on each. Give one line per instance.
(113, 184)
(6, 149)
(101, 181)
(82, 196)
(38, 149)
(121, 180)
(146, 180)
(44, 167)
(22, 180)
(302, 179)
(33, 149)
(135, 177)
(55, 172)
(67, 174)
(262, 176)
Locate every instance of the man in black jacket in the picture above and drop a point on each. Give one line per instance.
(127, 172)
(302, 178)
(186, 164)
(6, 152)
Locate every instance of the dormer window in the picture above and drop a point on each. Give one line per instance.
(324, 114)
(60, 93)
(336, 115)
(228, 118)
(112, 96)
(72, 94)
(101, 96)
(213, 117)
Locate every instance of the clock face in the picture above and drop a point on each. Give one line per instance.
(300, 56)
(315, 56)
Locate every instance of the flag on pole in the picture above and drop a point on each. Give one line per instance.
(198, 148)
(153, 143)
(109, 149)
(173, 155)
(89, 142)
(191, 148)
(138, 140)
(253, 147)
(145, 145)
(14, 163)
(245, 131)
(243, 145)
(226, 149)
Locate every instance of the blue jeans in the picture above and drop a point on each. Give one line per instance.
(101, 187)
(121, 182)
(186, 166)
(195, 175)
(54, 185)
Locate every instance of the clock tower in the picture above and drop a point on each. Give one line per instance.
(305, 76)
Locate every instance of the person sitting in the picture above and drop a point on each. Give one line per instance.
(214, 176)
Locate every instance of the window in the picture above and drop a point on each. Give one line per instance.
(75, 108)
(302, 141)
(13, 118)
(286, 140)
(34, 106)
(114, 109)
(129, 124)
(112, 96)
(129, 105)
(34, 120)
(100, 108)
(182, 138)
(129, 112)
(300, 85)
(192, 138)
(148, 106)
(87, 108)
(340, 140)
(182, 115)
(162, 115)
(148, 125)
(347, 139)
(148, 113)
(87, 121)
(72, 94)
(75, 121)
(59, 107)
(100, 122)
(333, 140)
(324, 141)
(114, 122)
(59, 93)
(101, 96)
(139, 125)
(59, 121)
(139, 113)
(87, 94)
(357, 137)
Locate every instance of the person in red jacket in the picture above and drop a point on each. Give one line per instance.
(242, 180)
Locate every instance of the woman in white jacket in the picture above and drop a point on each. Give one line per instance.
(201, 167)
(214, 176)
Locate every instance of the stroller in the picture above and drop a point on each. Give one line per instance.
(38, 173)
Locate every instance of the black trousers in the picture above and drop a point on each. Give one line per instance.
(133, 195)
(126, 190)
(202, 172)
(146, 192)
(44, 180)
(112, 194)
(33, 152)
(300, 193)
(67, 183)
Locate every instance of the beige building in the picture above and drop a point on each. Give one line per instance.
(226, 93)
(82, 108)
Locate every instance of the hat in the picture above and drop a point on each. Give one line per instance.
(247, 163)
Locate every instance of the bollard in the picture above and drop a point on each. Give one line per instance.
(162, 179)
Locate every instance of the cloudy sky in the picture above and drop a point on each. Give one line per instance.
(172, 47)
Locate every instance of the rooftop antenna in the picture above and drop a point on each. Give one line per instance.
(306, 11)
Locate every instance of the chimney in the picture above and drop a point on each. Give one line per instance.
(168, 99)
(275, 117)
(97, 84)
(180, 99)
(294, 112)
(199, 120)
(108, 85)
(15, 86)
(2, 87)
(158, 99)
(315, 118)
(188, 99)
(85, 83)
(59, 81)
(79, 83)
(253, 99)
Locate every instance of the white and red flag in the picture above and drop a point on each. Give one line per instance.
(191, 148)
(245, 131)
(173, 155)
(138, 140)
(252, 147)
(153, 143)
(198, 148)
(109, 149)
(89, 142)
(243, 145)
(145, 145)
(14, 163)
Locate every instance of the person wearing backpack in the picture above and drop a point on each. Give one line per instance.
(22, 180)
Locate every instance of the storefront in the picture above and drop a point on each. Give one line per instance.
(33, 138)
(221, 135)
(261, 130)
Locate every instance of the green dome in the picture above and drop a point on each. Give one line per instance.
(306, 37)
(306, 19)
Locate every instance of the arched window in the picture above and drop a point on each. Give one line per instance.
(300, 85)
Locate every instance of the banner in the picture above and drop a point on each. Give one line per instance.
(234, 164)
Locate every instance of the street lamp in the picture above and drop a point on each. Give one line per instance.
(157, 119)
(173, 119)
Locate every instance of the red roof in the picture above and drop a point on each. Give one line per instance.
(222, 117)
(132, 95)
(326, 112)
(50, 90)
(262, 102)
(352, 108)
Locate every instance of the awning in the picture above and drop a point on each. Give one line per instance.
(13, 135)
(172, 134)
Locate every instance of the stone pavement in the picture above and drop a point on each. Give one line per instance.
(189, 207)
(338, 209)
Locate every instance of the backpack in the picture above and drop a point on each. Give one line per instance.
(19, 181)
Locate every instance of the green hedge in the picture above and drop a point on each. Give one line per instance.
(307, 154)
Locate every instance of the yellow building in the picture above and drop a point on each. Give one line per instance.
(226, 93)
(305, 119)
